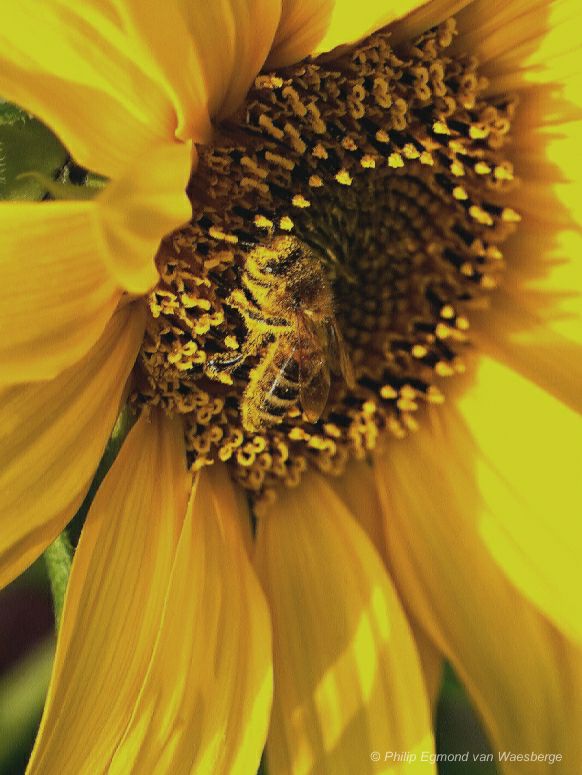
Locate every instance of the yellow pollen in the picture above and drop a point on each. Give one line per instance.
(440, 128)
(300, 201)
(368, 162)
(503, 173)
(480, 215)
(444, 369)
(478, 132)
(299, 434)
(510, 216)
(315, 181)
(387, 392)
(262, 222)
(418, 351)
(344, 178)
(481, 168)
(410, 152)
(332, 430)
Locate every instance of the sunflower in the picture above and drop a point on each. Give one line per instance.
(227, 593)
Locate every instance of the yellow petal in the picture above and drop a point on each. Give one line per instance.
(114, 601)
(303, 24)
(535, 323)
(521, 42)
(521, 448)
(357, 489)
(421, 18)
(207, 53)
(541, 304)
(315, 26)
(57, 293)
(87, 77)
(347, 675)
(518, 335)
(204, 706)
(519, 671)
(432, 663)
(346, 26)
(140, 208)
(52, 436)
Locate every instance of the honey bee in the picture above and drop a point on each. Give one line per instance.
(286, 303)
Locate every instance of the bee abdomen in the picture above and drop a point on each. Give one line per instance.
(271, 391)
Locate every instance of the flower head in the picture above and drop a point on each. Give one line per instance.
(292, 257)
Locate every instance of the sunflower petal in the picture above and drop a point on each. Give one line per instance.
(506, 653)
(207, 53)
(535, 323)
(140, 208)
(545, 351)
(303, 24)
(347, 675)
(345, 26)
(316, 26)
(86, 77)
(204, 706)
(357, 489)
(421, 18)
(521, 448)
(114, 601)
(52, 436)
(521, 43)
(57, 293)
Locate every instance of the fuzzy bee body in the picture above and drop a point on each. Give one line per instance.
(286, 303)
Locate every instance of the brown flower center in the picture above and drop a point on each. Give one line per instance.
(345, 221)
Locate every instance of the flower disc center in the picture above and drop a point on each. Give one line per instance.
(344, 222)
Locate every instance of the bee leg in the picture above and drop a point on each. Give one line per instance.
(224, 363)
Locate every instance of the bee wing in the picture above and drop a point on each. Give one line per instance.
(339, 359)
(314, 376)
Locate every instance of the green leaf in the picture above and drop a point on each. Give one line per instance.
(26, 146)
(59, 557)
(459, 730)
(10, 114)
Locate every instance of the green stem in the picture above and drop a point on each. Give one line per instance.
(58, 557)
